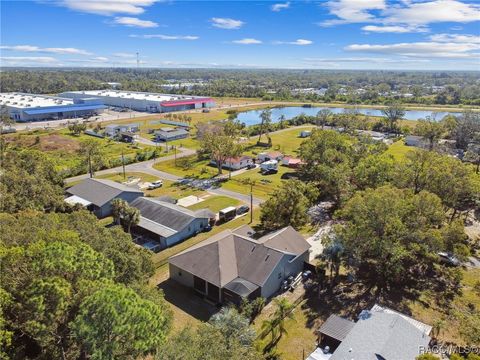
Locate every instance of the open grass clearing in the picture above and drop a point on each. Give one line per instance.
(215, 203)
(398, 150)
(265, 185)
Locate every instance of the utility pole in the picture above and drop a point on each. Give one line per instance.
(251, 202)
(123, 165)
(90, 170)
(175, 152)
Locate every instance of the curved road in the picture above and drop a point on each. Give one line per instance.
(147, 168)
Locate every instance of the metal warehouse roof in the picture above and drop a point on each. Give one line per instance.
(336, 327)
(63, 109)
(185, 102)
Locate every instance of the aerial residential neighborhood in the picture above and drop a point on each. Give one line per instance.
(240, 180)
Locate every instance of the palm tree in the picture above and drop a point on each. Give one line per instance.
(270, 327)
(283, 311)
(266, 117)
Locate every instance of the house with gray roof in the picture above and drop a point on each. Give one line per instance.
(233, 265)
(170, 134)
(167, 223)
(379, 333)
(97, 195)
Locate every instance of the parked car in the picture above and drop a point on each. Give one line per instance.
(269, 171)
(155, 185)
(251, 166)
(207, 228)
(449, 259)
(242, 209)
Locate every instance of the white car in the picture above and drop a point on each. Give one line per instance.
(155, 185)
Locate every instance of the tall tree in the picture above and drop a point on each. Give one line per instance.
(266, 116)
(124, 214)
(92, 154)
(114, 322)
(393, 112)
(404, 232)
(323, 117)
(430, 130)
(233, 325)
(288, 205)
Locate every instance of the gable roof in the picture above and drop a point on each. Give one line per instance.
(287, 240)
(382, 334)
(165, 218)
(229, 255)
(100, 191)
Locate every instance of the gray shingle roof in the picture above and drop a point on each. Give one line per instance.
(100, 191)
(382, 334)
(336, 327)
(286, 240)
(228, 255)
(164, 218)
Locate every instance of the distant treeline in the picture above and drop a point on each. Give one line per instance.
(375, 87)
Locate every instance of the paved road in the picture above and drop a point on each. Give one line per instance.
(147, 168)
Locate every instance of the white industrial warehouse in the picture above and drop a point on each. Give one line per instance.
(30, 107)
(143, 101)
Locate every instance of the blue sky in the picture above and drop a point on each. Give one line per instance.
(336, 34)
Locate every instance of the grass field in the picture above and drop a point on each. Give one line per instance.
(215, 203)
(265, 184)
(169, 188)
(195, 168)
(398, 150)
(63, 148)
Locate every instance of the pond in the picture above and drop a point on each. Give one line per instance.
(252, 117)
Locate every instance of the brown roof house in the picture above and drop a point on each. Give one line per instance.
(232, 265)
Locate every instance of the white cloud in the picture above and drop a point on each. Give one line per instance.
(352, 11)
(421, 49)
(399, 29)
(32, 59)
(166, 37)
(52, 50)
(247, 41)
(108, 7)
(460, 38)
(134, 22)
(401, 16)
(433, 12)
(124, 55)
(280, 6)
(361, 59)
(301, 42)
(226, 23)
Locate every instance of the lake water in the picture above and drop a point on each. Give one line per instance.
(252, 117)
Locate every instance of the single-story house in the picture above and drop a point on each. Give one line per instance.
(97, 195)
(374, 135)
(170, 134)
(417, 141)
(114, 129)
(272, 155)
(236, 163)
(231, 265)
(305, 133)
(291, 162)
(167, 223)
(379, 333)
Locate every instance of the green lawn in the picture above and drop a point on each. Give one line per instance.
(188, 166)
(265, 184)
(398, 150)
(169, 188)
(215, 203)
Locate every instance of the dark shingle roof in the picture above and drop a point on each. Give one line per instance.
(100, 191)
(336, 327)
(286, 240)
(228, 255)
(170, 217)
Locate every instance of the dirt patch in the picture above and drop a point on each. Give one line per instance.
(54, 142)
